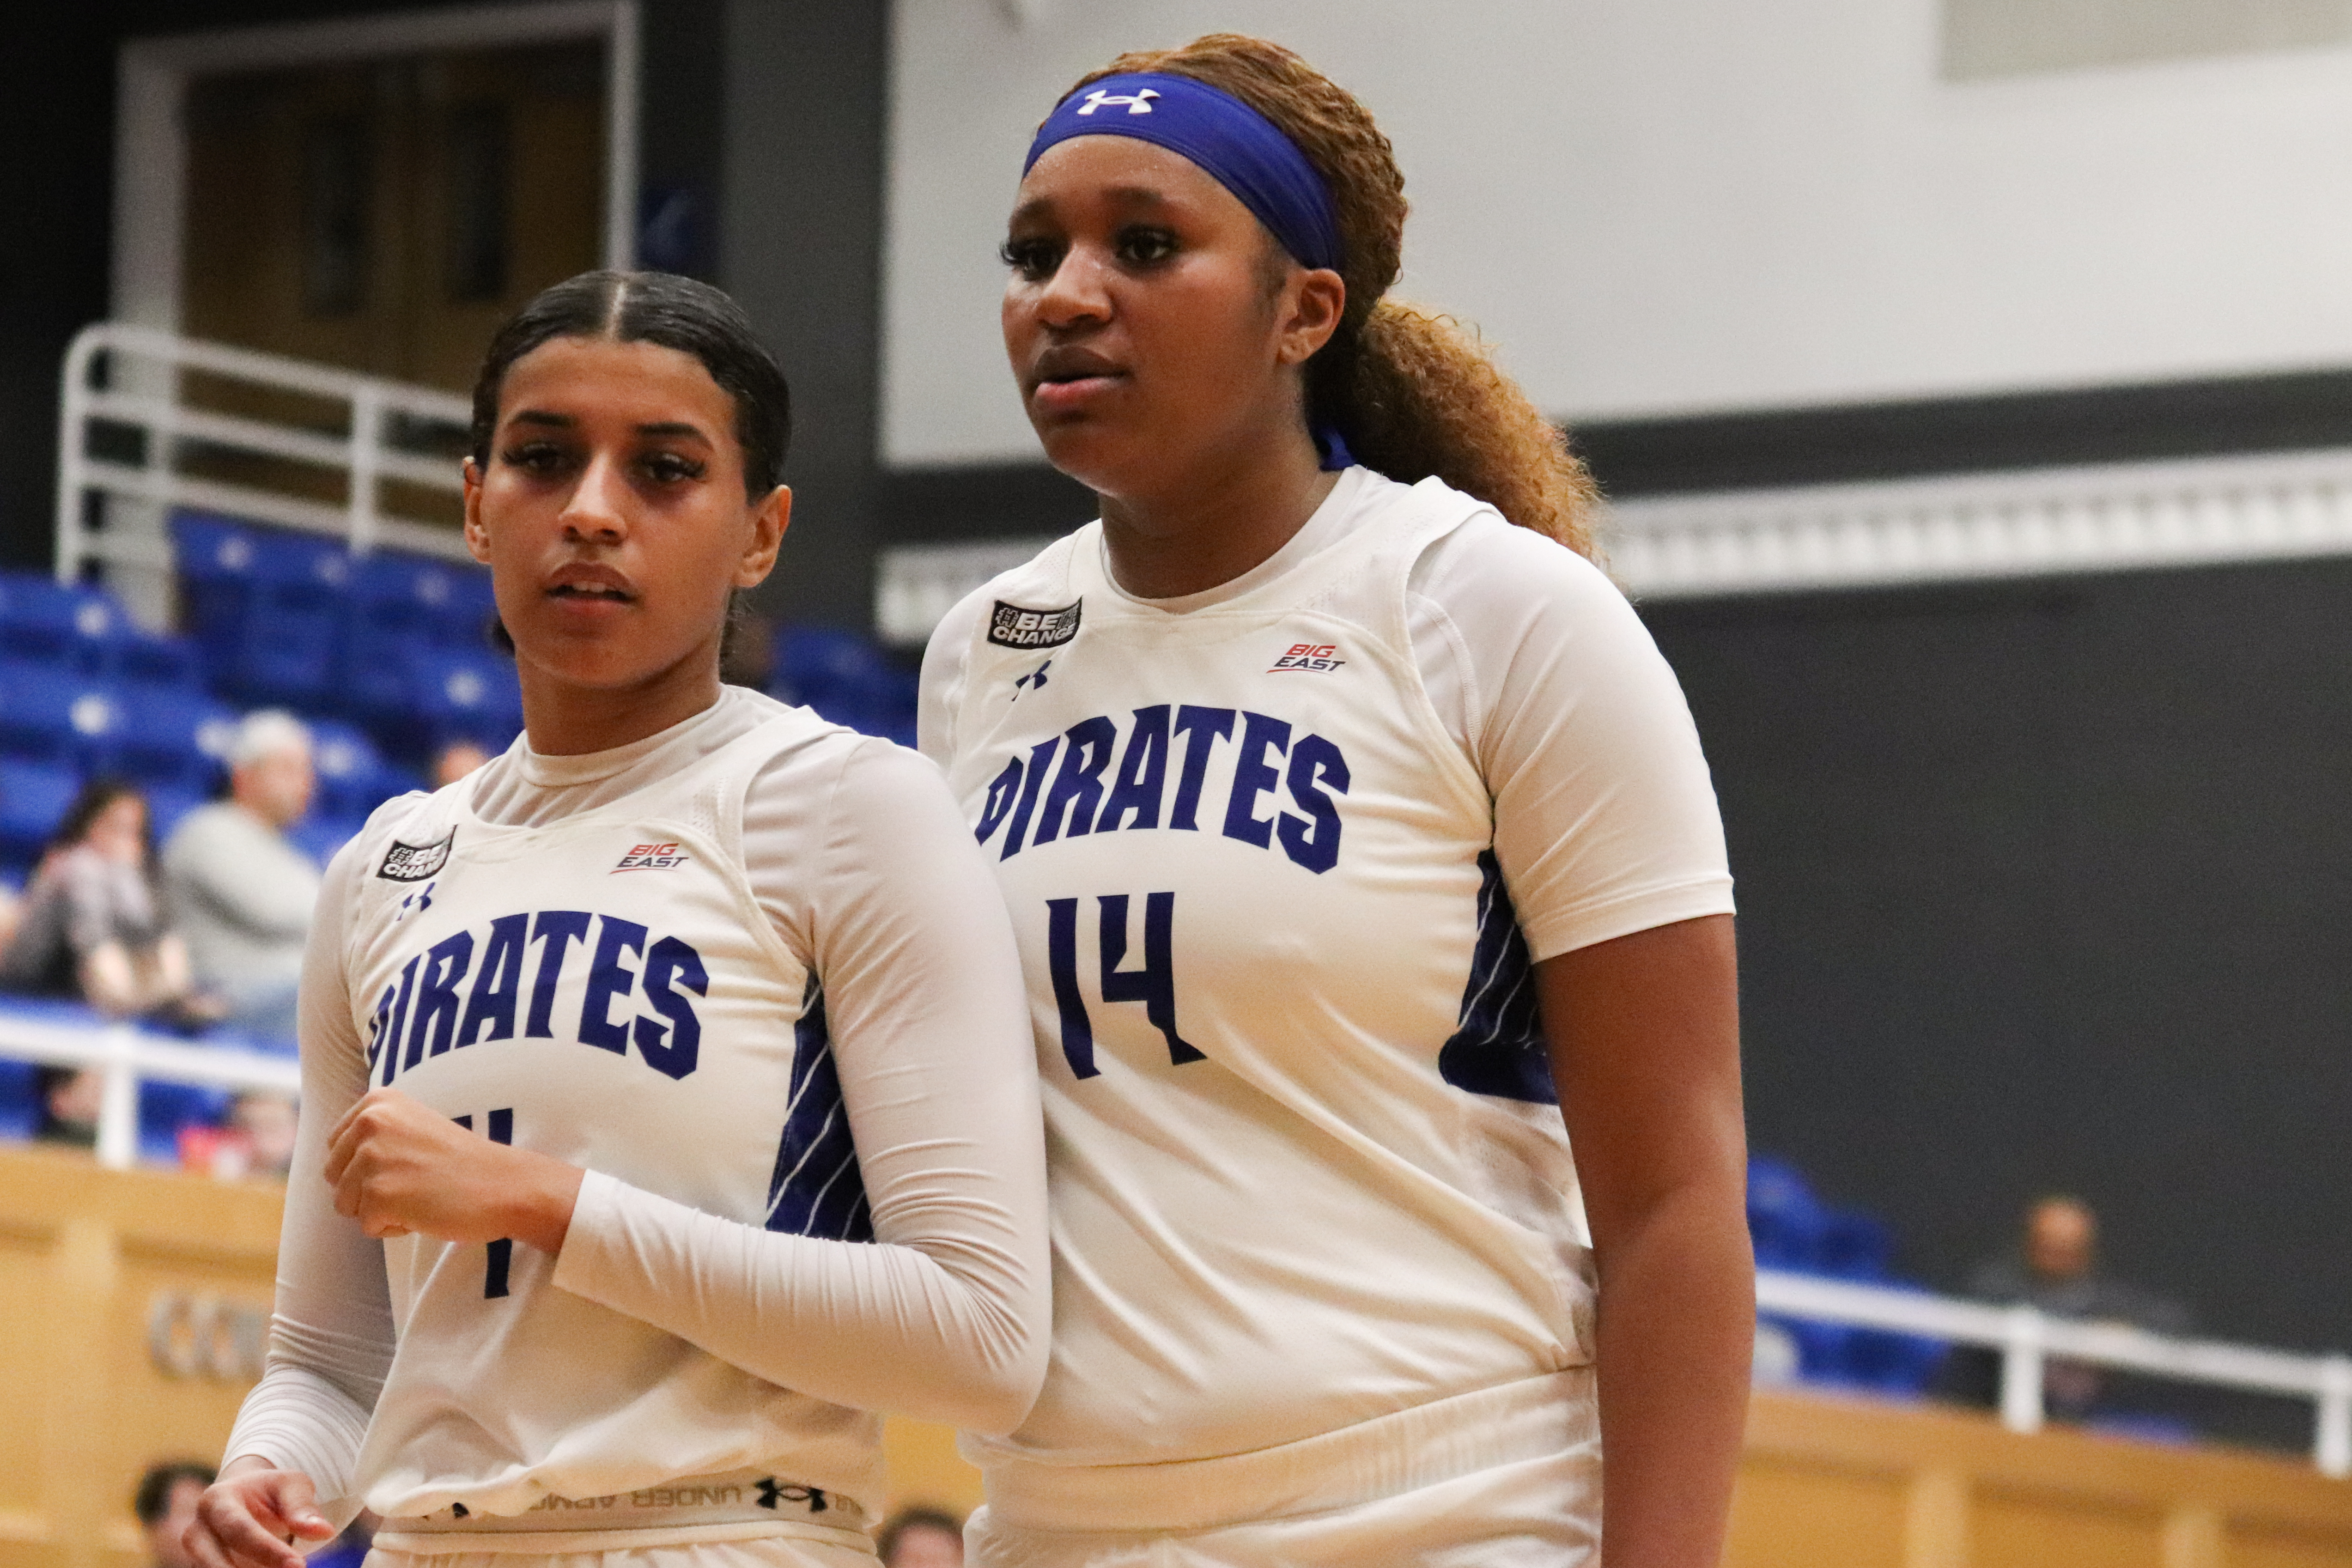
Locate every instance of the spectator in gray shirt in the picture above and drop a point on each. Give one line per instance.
(241, 893)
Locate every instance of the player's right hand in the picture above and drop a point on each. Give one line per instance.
(248, 1518)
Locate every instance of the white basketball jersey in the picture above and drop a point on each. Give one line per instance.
(606, 991)
(1307, 1167)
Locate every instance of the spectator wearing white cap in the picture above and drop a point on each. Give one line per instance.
(240, 892)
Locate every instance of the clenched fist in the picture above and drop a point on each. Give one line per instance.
(399, 1169)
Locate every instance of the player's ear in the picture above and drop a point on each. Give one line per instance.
(478, 538)
(1312, 303)
(771, 515)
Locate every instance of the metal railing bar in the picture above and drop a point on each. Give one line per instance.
(1973, 1322)
(277, 370)
(148, 1056)
(277, 441)
(260, 505)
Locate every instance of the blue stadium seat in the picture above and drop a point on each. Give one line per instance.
(1794, 1231)
(294, 622)
(20, 1100)
(214, 557)
(1889, 1362)
(846, 678)
(33, 800)
(1852, 1246)
(55, 715)
(165, 1107)
(468, 696)
(403, 607)
(142, 658)
(465, 620)
(172, 738)
(67, 628)
(1785, 1221)
(353, 778)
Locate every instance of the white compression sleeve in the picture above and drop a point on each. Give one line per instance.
(946, 1315)
(331, 1337)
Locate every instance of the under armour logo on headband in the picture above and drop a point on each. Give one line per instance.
(1137, 102)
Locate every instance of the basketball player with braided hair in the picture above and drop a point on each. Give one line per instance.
(1363, 860)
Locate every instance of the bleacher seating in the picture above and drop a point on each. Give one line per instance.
(384, 656)
(845, 677)
(1793, 1230)
(33, 796)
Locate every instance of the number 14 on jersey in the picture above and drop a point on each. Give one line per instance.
(1153, 983)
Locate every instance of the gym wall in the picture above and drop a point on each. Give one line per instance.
(1707, 206)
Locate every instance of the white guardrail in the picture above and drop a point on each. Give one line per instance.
(145, 372)
(127, 1054)
(2025, 1338)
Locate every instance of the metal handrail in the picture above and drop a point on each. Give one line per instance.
(127, 1054)
(365, 457)
(2026, 1337)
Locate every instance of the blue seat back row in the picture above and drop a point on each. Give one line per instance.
(845, 677)
(84, 632)
(392, 641)
(1793, 1230)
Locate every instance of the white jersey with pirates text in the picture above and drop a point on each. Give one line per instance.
(1307, 1165)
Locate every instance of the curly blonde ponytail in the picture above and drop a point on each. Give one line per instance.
(1413, 392)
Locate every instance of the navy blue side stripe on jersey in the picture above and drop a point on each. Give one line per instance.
(816, 1189)
(1500, 1047)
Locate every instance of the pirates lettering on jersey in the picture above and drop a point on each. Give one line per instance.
(445, 1001)
(1108, 779)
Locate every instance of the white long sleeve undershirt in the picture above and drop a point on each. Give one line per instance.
(858, 856)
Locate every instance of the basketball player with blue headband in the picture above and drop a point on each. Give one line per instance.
(1364, 863)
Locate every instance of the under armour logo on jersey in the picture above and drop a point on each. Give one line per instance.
(421, 900)
(1034, 680)
(773, 1493)
(1137, 102)
(651, 858)
(1307, 656)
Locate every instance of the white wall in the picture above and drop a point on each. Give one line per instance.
(1703, 206)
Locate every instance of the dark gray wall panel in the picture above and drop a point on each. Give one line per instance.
(2048, 888)
(802, 248)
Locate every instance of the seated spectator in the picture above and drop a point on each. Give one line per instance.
(454, 760)
(258, 1139)
(165, 1503)
(240, 892)
(91, 928)
(2055, 1269)
(920, 1538)
(70, 1098)
(265, 1121)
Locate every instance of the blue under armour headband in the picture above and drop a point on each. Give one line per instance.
(1235, 145)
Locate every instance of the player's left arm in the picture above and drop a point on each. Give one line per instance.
(1607, 835)
(1645, 1038)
